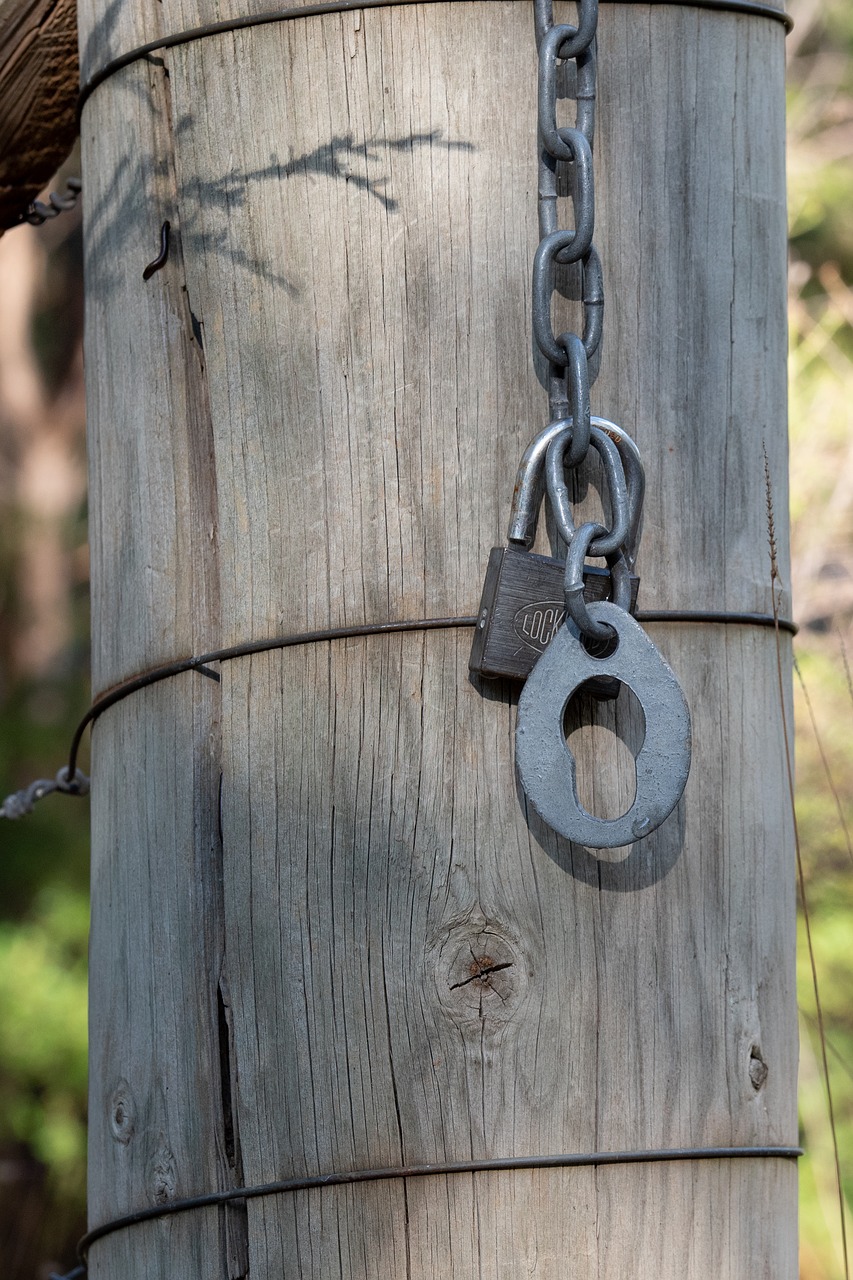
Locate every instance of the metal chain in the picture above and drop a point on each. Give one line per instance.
(567, 151)
(22, 802)
(621, 508)
(38, 212)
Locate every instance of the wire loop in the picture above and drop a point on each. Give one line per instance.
(290, 1185)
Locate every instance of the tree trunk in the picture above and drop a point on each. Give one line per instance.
(311, 418)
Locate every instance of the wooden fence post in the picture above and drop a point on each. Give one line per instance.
(326, 936)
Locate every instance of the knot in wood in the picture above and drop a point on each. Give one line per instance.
(122, 1113)
(162, 1173)
(480, 973)
(757, 1068)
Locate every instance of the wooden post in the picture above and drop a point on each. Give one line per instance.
(311, 418)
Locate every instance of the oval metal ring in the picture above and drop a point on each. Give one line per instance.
(608, 541)
(542, 289)
(574, 45)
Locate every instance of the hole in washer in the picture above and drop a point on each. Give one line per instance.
(605, 739)
(601, 648)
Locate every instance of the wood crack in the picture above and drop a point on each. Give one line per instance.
(481, 973)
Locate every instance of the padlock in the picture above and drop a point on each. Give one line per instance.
(521, 608)
(523, 602)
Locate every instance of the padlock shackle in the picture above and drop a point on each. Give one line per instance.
(530, 484)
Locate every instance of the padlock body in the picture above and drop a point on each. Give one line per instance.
(521, 608)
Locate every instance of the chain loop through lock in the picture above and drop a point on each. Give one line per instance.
(581, 546)
(559, 449)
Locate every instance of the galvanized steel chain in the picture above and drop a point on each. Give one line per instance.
(21, 802)
(565, 159)
(566, 151)
(38, 212)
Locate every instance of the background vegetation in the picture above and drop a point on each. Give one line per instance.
(820, 130)
(44, 660)
(43, 690)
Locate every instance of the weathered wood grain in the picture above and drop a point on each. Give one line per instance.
(111, 29)
(312, 417)
(38, 94)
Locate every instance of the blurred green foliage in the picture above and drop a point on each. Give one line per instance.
(43, 1048)
(820, 133)
(819, 121)
(44, 868)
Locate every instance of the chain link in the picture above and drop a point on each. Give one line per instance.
(38, 212)
(567, 151)
(620, 578)
(21, 802)
(621, 508)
